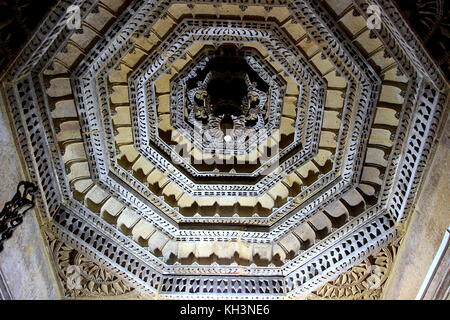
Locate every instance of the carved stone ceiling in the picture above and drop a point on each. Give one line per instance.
(253, 149)
(430, 19)
(18, 19)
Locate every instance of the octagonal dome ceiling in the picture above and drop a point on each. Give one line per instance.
(239, 148)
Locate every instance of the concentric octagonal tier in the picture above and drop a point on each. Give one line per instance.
(238, 148)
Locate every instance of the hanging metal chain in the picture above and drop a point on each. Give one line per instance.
(12, 214)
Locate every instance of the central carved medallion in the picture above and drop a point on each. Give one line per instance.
(227, 100)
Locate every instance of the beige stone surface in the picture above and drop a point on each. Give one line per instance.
(24, 261)
(427, 226)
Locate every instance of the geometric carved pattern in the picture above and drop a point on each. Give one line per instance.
(81, 277)
(103, 117)
(364, 281)
(430, 20)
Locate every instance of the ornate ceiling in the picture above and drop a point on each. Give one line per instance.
(253, 149)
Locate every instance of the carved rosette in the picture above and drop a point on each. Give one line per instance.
(81, 277)
(362, 282)
(225, 106)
